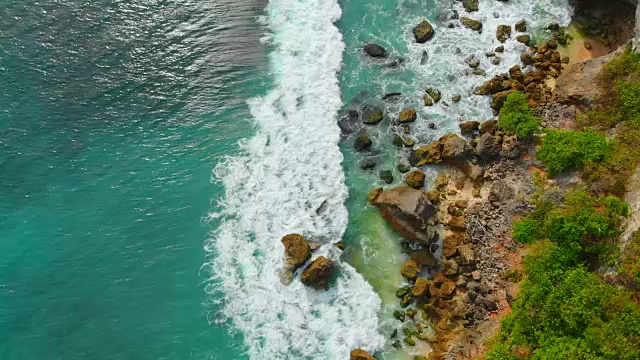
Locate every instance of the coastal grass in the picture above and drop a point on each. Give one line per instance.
(564, 310)
(517, 116)
(566, 150)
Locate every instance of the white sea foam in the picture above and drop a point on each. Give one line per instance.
(446, 68)
(288, 178)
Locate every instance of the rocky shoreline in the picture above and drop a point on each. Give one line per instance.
(463, 265)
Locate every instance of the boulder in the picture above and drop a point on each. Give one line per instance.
(457, 223)
(296, 249)
(359, 354)
(403, 167)
(423, 32)
(421, 287)
(503, 32)
(454, 147)
(450, 244)
(409, 212)
(516, 73)
(521, 26)
(467, 256)
(362, 143)
(375, 50)
(372, 116)
(501, 192)
(318, 274)
(468, 127)
(526, 59)
(498, 99)
(448, 148)
(489, 126)
(488, 147)
(434, 94)
(415, 179)
(470, 5)
(373, 195)
(410, 269)
(407, 116)
(525, 39)
(498, 83)
(386, 176)
(469, 23)
(427, 100)
(424, 257)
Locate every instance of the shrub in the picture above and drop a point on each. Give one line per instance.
(565, 150)
(630, 263)
(517, 117)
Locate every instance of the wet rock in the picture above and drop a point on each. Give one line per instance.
(362, 143)
(489, 126)
(415, 179)
(423, 32)
(450, 244)
(434, 94)
(521, 25)
(407, 116)
(318, 274)
(470, 5)
(468, 127)
(367, 164)
(427, 100)
(392, 95)
(409, 212)
(442, 181)
(516, 73)
(448, 148)
(397, 141)
(408, 143)
(424, 257)
(424, 58)
(421, 287)
(372, 116)
(450, 267)
(359, 354)
(296, 249)
(456, 98)
(526, 59)
(410, 269)
(525, 39)
(479, 72)
(495, 61)
(386, 176)
(503, 32)
(469, 23)
(403, 167)
(375, 50)
(373, 195)
(498, 83)
(499, 49)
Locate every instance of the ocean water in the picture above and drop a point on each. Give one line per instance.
(118, 241)
(112, 115)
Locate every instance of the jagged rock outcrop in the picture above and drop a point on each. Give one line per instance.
(359, 354)
(318, 274)
(408, 211)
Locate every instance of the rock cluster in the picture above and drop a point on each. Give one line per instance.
(297, 252)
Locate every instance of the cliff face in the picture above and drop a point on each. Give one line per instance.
(615, 21)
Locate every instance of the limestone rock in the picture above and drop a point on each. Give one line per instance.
(410, 269)
(424, 257)
(469, 127)
(318, 274)
(525, 39)
(421, 287)
(359, 354)
(521, 26)
(296, 249)
(415, 179)
(489, 126)
(373, 195)
(375, 50)
(362, 143)
(498, 83)
(469, 23)
(470, 5)
(488, 147)
(423, 32)
(409, 212)
(407, 116)
(449, 148)
(450, 244)
(457, 223)
(372, 116)
(503, 32)
(467, 256)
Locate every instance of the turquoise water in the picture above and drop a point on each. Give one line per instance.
(112, 116)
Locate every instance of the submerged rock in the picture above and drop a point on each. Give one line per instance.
(470, 5)
(372, 116)
(423, 32)
(521, 26)
(434, 94)
(362, 143)
(318, 274)
(410, 269)
(386, 176)
(375, 50)
(408, 211)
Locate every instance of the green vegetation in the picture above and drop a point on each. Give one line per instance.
(563, 310)
(517, 117)
(565, 150)
(629, 268)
